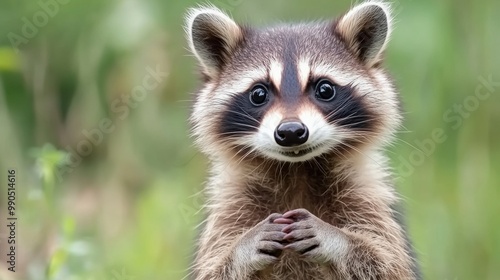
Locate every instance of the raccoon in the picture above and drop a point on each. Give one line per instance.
(293, 119)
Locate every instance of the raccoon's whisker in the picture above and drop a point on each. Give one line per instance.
(363, 154)
(233, 138)
(405, 129)
(245, 125)
(356, 123)
(319, 165)
(407, 143)
(191, 270)
(364, 136)
(341, 107)
(265, 162)
(338, 109)
(338, 153)
(252, 149)
(230, 161)
(249, 116)
(245, 114)
(364, 132)
(235, 135)
(230, 141)
(354, 115)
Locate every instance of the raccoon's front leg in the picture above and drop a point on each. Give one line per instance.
(349, 255)
(313, 238)
(252, 252)
(261, 245)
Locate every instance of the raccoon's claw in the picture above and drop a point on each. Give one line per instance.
(270, 248)
(283, 221)
(304, 246)
(262, 245)
(306, 234)
(298, 214)
(301, 236)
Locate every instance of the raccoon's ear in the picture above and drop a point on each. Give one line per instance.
(212, 37)
(366, 29)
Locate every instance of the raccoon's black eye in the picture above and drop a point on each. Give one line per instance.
(325, 90)
(258, 95)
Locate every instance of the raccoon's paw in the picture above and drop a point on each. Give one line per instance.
(313, 238)
(262, 244)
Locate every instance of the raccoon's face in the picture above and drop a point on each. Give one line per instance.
(293, 92)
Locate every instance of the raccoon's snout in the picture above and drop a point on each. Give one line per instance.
(291, 133)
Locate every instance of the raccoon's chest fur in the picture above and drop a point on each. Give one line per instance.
(292, 267)
(303, 186)
(295, 188)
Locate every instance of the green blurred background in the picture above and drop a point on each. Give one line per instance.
(128, 205)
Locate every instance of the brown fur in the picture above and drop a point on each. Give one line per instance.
(345, 194)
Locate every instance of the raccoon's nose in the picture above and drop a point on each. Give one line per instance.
(291, 133)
